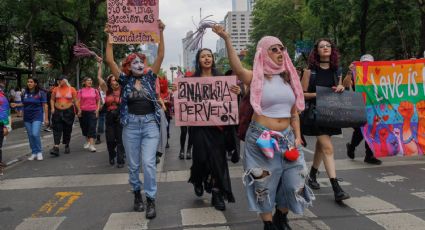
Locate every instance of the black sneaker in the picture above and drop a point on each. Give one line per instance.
(181, 155)
(217, 200)
(150, 208)
(67, 149)
(372, 160)
(350, 151)
(55, 151)
(199, 190)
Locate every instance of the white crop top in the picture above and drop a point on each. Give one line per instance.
(278, 97)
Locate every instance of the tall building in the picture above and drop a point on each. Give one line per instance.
(242, 5)
(188, 56)
(238, 25)
(150, 50)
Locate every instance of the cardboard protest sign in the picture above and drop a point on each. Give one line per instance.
(394, 93)
(133, 21)
(205, 101)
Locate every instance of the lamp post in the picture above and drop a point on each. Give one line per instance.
(172, 68)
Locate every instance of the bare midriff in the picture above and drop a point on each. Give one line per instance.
(275, 124)
(63, 97)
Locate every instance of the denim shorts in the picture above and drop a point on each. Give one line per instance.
(284, 183)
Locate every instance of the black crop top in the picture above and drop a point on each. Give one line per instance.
(139, 103)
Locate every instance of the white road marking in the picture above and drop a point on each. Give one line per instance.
(213, 228)
(396, 221)
(44, 223)
(202, 216)
(370, 204)
(127, 220)
(394, 178)
(419, 194)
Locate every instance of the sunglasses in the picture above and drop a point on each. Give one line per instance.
(276, 49)
(327, 46)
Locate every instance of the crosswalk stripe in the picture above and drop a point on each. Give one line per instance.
(396, 221)
(169, 176)
(301, 221)
(213, 228)
(127, 221)
(202, 216)
(50, 223)
(419, 194)
(393, 178)
(370, 204)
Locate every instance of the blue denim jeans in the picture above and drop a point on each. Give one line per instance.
(283, 181)
(140, 137)
(33, 131)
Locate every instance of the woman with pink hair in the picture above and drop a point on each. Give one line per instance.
(273, 162)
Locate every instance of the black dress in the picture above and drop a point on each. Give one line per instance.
(209, 160)
(325, 78)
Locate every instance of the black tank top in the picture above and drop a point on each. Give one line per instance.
(325, 77)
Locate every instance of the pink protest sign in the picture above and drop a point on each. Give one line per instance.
(205, 101)
(133, 21)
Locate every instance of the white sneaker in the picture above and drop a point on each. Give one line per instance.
(92, 148)
(32, 157)
(39, 156)
(86, 145)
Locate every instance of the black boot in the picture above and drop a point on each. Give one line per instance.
(55, 151)
(189, 153)
(67, 149)
(280, 220)
(268, 225)
(138, 202)
(312, 180)
(338, 192)
(181, 154)
(150, 208)
(98, 141)
(167, 145)
(217, 200)
(199, 189)
(350, 150)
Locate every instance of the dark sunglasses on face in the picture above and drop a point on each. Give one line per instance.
(327, 46)
(276, 49)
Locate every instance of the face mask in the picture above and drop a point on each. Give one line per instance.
(137, 66)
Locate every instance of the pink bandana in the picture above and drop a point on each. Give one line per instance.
(263, 65)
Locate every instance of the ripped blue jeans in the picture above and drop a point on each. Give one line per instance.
(282, 182)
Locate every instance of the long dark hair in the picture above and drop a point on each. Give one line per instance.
(109, 91)
(198, 70)
(37, 86)
(314, 58)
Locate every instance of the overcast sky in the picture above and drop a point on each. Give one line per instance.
(177, 16)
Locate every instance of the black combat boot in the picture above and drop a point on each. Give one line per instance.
(350, 150)
(217, 200)
(338, 192)
(312, 180)
(268, 225)
(138, 202)
(55, 151)
(280, 220)
(150, 208)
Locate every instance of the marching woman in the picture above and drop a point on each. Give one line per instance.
(112, 90)
(273, 162)
(62, 102)
(34, 103)
(140, 115)
(323, 71)
(88, 105)
(5, 123)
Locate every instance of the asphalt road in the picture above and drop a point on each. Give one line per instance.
(82, 191)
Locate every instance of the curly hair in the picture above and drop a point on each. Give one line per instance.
(314, 58)
(125, 67)
(198, 70)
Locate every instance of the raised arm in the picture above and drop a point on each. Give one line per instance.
(102, 83)
(243, 74)
(109, 56)
(158, 61)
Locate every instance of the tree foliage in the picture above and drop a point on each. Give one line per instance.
(387, 29)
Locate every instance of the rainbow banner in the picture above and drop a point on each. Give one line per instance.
(394, 94)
